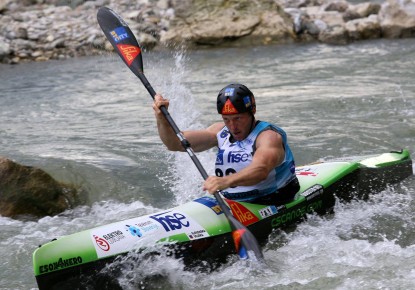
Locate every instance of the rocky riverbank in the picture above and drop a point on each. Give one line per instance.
(56, 29)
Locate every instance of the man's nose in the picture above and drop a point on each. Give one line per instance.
(232, 124)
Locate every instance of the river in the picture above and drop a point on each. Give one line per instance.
(89, 121)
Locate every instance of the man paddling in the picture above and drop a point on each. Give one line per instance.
(254, 162)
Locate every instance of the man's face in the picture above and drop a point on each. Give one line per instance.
(238, 124)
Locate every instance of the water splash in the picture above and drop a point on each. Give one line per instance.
(359, 240)
(182, 179)
(153, 268)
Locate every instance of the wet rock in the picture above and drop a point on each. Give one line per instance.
(397, 18)
(363, 10)
(338, 6)
(334, 35)
(364, 28)
(218, 22)
(4, 48)
(26, 190)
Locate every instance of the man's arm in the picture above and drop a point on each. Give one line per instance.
(200, 140)
(268, 155)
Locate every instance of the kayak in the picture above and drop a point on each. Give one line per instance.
(199, 231)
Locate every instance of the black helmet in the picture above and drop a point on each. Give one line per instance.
(235, 99)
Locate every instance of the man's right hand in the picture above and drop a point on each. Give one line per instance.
(158, 102)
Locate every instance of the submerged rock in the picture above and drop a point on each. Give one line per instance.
(26, 190)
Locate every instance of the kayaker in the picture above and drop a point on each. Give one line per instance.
(254, 162)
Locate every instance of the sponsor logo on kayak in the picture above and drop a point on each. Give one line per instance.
(106, 240)
(171, 221)
(296, 214)
(242, 213)
(304, 171)
(134, 231)
(268, 211)
(313, 191)
(60, 264)
(138, 229)
(102, 243)
(210, 202)
(114, 236)
(128, 52)
(197, 234)
(147, 226)
(119, 34)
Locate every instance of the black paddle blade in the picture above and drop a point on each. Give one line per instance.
(246, 244)
(122, 39)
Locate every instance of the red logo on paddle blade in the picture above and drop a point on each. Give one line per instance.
(237, 236)
(129, 52)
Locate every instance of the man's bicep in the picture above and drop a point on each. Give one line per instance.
(270, 149)
(204, 139)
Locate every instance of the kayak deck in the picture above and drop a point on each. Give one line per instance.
(200, 229)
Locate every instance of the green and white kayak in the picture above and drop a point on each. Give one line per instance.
(200, 228)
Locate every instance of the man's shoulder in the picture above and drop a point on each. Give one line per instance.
(216, 127)
(269, 136)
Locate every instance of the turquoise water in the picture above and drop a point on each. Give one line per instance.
(89, 121)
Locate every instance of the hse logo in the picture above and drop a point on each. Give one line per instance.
(235, 157)
(171, 221)
(128, 52)
(119, 34)
(231, 157)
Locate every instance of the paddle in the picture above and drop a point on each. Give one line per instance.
(125, 44)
